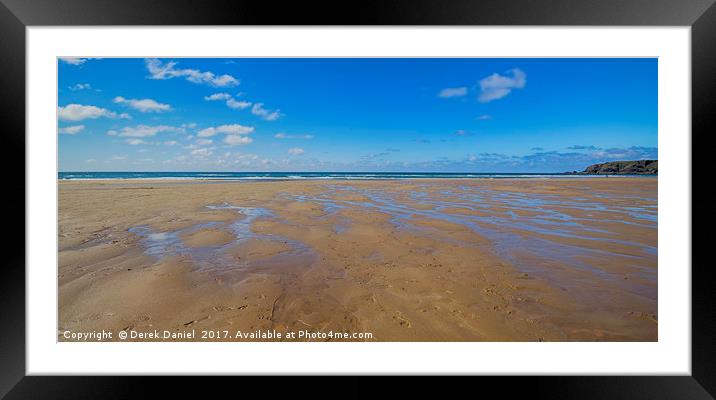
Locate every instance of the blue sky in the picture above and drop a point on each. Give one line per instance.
(435, 115)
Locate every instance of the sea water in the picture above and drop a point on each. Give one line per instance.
(280, 176)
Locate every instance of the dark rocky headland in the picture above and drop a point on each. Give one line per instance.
(638, 167)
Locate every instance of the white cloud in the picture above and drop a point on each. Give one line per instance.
(223, 80)
(91, 160)
(171, 142)
(135, 141)
(117, 158)
(143, 105)
(237, 104)
(243, 157)
(453, 92)
(159, 70)
(484, 117)
(230, 101)
(72, 130)
(233, 129)
(77, 60)
(266, 114)
(142, 130)
(295, 151)
(497, 86)
(217, 96)
(237, 140)
(204, 152)
(282, 135)
(204, 142)
(79, 112)
(80, 86)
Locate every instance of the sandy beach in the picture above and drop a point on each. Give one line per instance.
(567, 259)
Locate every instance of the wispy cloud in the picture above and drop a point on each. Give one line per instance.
(143, 105)
(371, 157)
(264, 113)
(71, 130)
(142, 131)
(231, 102)
(159, 70)
(217, 96)
(282, 135)
(295, 151)
(80, 86)
(237, 104)
(578, 147)
(559, 161)
(233, 129)
(77, 60)
(203, 152)
(484, 117)
(79, 112)
(630, 153)
(497, 86)
(488, 157)
(453, 92)
(237, 140)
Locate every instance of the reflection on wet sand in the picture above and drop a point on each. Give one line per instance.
(443, 259)
(221, 258)
(520, 240)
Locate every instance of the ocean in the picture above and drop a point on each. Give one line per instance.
(282, 176)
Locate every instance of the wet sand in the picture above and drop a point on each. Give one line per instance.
(571, 259)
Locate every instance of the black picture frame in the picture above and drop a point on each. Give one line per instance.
(16, 15)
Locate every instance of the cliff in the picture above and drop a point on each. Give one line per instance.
(638, 167)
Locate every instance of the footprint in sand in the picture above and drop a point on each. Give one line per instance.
(192, 322)
(647, 316)
(402, 321)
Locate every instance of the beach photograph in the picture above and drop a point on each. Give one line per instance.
(357, 199)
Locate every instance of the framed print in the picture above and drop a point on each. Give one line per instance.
(406, 189)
